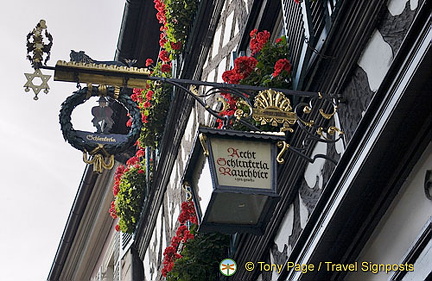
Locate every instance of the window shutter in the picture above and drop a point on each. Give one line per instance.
(117, 260)
(307, 26)
(125, 241)
(293, 24)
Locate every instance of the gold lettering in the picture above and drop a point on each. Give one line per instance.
(304, 268)
(98, 138)
(341, 267)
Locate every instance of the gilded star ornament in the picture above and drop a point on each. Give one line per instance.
(37, 88)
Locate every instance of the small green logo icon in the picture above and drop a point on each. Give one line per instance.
(228, 267)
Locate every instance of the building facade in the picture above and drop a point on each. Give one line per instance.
(366, 216)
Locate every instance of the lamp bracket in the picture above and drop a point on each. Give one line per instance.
(255, 108)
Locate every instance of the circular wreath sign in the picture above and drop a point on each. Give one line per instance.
(94, 146)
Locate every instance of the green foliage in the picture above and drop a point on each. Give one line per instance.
(176, 17)
(267, 58)
(156, 113)
(129, 200)
(179, 15)
(200, 258)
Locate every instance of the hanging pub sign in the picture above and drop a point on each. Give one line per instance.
(100, 146)
(241, 163)
(233, 178)
(246, 167)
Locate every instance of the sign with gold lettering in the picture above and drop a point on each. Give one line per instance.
(102, 144)
(101, 139)
(241, 160)
(232, 177)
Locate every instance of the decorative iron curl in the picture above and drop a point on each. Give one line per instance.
(315, 132)
(314, 129)
(243, 96)
(246, 94)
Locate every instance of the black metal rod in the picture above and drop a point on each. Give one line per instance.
(182, 81)
(241, 91)
(47, 67)
(232, 86)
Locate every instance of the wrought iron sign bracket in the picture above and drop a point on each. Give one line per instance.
(256, 108)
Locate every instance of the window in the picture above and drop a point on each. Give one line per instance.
(307, 26)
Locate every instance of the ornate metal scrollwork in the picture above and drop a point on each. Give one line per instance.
(39, 43)
(274, 108)
(101, 147)
(37, 88)
(252, 108)
(100, 161)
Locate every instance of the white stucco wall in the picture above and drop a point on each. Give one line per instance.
(396, 7)
(401, 225)
(376, 60)
(377, 57)
(157, 243)
(410, 210)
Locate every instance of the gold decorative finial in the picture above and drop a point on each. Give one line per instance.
(39, 43)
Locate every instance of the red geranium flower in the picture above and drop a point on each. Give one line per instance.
(164, 56)
(129, 122)
(149, 95)
(188, 236)
(245, 65)
(162, 39)
(112, 210)
(258, 40)
(149, 62)
(231, 76)
(253, 33)
(140, 153)
(116, 190)
(281, 65)
(169, 251)
(166, 68)
(134, 97)
(137, 90)
(176, 46)
(181, 230)
(137, 97)
(132, 161)
(120, 170)
(175, 241)
(167, 268)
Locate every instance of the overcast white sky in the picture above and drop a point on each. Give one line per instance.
(40, 172)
